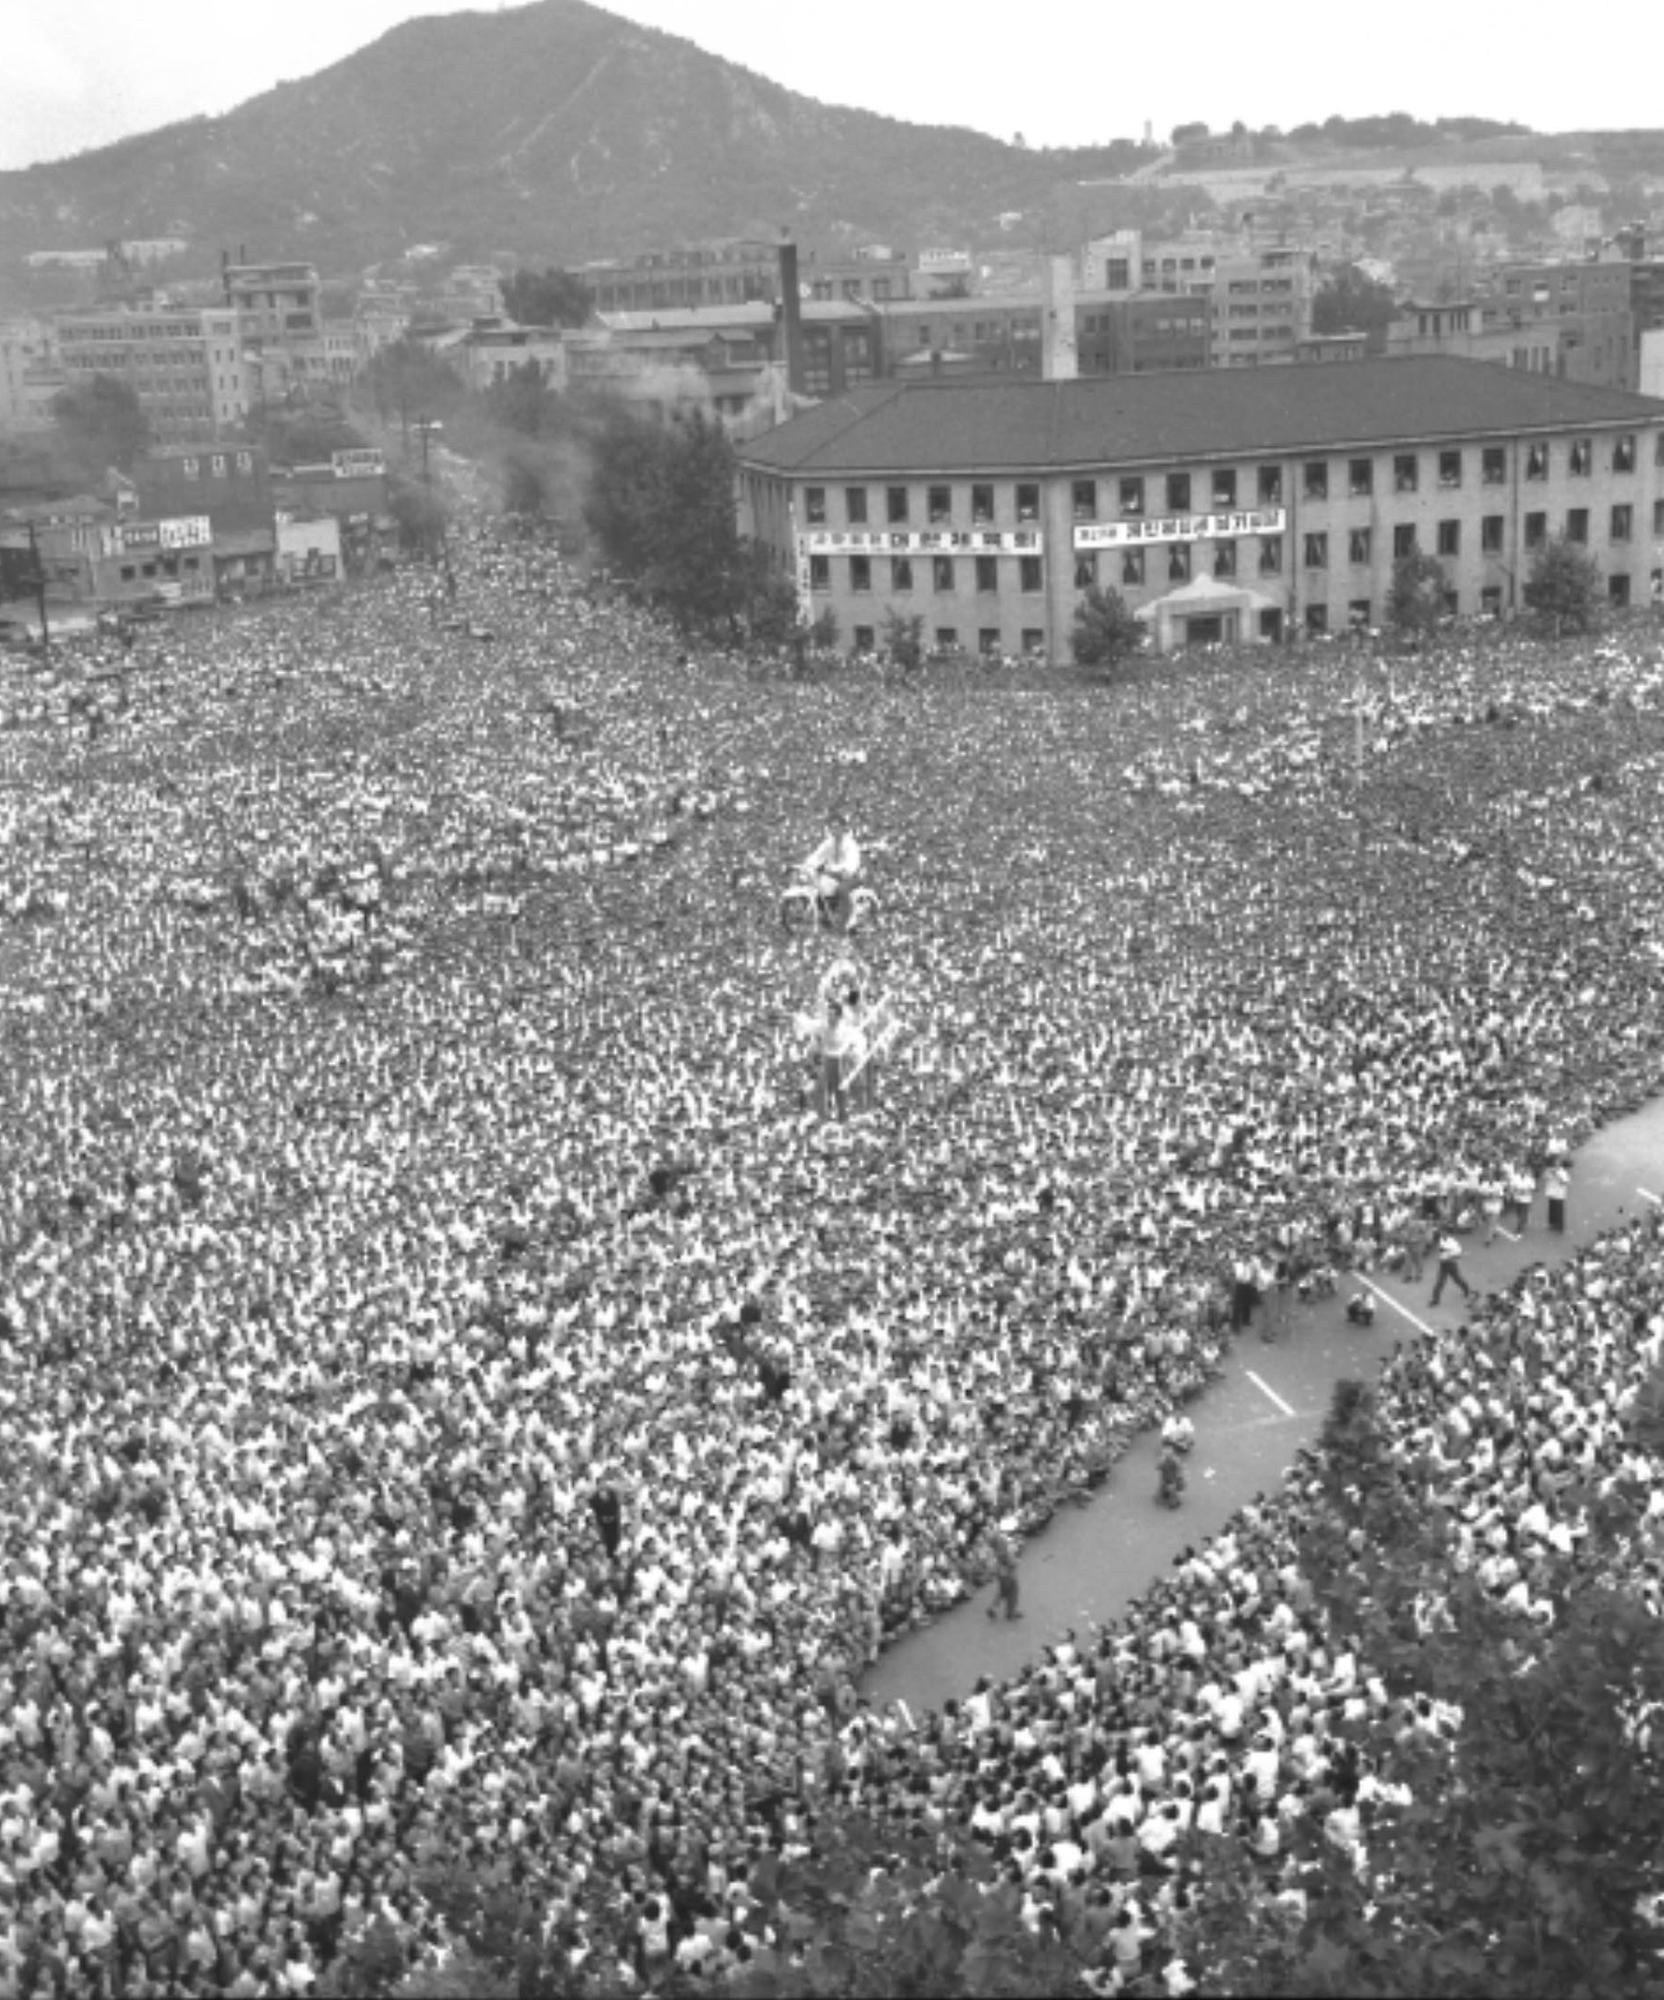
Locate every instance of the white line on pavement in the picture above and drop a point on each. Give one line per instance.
(1512, 1238)
(1387, 1298)
(1286, 1408)
(1647, 1194)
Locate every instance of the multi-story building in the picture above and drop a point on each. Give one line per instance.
(492, 349)
(185, 364)
(739, 271)
(279, 303)
(1230, 504)
(1262, 307)
(1574, 321)
(29, 375)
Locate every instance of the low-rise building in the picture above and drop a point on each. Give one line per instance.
(1229, 504)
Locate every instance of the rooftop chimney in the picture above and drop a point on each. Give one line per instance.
(1059, 353)
(791, 316)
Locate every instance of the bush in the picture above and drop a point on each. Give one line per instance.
(1564, 588)
(904, 639)
(1106, 632)
(1415, 601)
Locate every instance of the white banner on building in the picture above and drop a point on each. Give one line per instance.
(189, 531)
(925, 542)
(1179, 528)
(365, 463)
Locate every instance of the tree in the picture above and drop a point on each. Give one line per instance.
(904, 638)
(1563, 588)
(101, 424)
(661, 505)
(420, 513)
(552, 298)
(1106, 632)
(404, 381)
(1349, 302)
(523, 401)
(1415, 598)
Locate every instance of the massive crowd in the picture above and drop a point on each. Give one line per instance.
(463, 1403)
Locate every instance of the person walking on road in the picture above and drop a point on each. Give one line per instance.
(1005, 1577)
(1417, 1234)
(1523, 1188)
(1450, 1266)
(1557, 1184)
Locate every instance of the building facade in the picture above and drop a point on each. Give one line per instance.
(1226, 506)
(1575, 321)
(30, 375)
(185, 364)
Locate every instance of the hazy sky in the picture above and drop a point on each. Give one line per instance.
(79, 73)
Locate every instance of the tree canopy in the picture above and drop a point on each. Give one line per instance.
(100, 424)
(549, 298)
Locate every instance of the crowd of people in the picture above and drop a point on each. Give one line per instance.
(469, 1405)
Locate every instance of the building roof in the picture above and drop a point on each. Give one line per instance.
(983, 426)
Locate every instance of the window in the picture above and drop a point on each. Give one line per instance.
(987, 573)
(1536, 530)
(1317, 618)
(1271, 555)
(1360, 478)
(1536, 462)
(1317, 551)
(1450, 468)
(1086, 499)
(855, 506)
(1132, 567)
(1623, 522)
(1406, 472)
(1028, 503)
(940, 505)
(1315, 479)
(1178, 563)
(814, 506)
(1357, 548)
(860, 572)
(1658, 449)
(1449, 603)
(1580, 458)
(1617, 589)
(982, 504)
(988, 641)
(820, 572)
(1178, 493)
(863, 639)
(128, 573)
(1403, 540)
(1271, 485)
(1132, 496)
(901, 573)
(1493, 465)
(1577, 524)
(1450, 538)
(190, 467)
(895, 505)
(1086, 570)
(1357, 614)
(1224, 489)
(941, 574)
(1658, 520)
(1490, 600)
(947, 639)
(1029, 573)
(1034, 642)
(1224, 558)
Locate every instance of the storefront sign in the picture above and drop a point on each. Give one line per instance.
(1179, 528)
(361, 464)
(188, 531)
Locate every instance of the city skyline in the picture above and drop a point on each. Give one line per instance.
(89, 72)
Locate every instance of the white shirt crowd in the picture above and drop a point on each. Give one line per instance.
(460, 1401)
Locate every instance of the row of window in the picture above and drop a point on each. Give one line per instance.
(1223, 486)
(1360, 616)
(1315, 554)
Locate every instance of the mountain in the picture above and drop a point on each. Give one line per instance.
(556, 130)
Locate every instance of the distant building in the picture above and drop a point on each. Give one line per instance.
(1573, 321)
(279, 303)
(230, 485)
(491, 349)
(30, 375)
(185, 364)
(739, 271)
(1229, 504)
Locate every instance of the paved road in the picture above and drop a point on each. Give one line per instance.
(1091, 1560)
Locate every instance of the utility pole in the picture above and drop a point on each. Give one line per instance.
(40, 587)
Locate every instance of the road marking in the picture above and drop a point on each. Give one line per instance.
(1512, 1238)
(1647, 1194)
(1387, 1298)
(1260, 1383)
